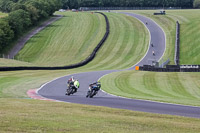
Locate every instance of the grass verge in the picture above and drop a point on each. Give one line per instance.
(181, 88)
(18, 115)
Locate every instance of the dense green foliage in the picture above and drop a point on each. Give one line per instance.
(3, 14)
(19, 20)
(127, 3)
(22, 15)
(196, 4)
(9, 5)
(43, 7)
(6, 34)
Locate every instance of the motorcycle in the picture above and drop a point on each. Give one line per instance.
(70, 90)
(93, 90)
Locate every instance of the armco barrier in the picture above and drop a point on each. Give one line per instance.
(171, 68)
(177, 44)
(87, 60)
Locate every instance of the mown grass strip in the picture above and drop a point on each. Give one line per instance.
(79, 64)
(44, 116)
(123, 47)
(163, 87)
(63, 42)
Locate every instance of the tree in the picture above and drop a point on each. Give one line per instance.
(17, 6)
(33, 12)
(19, 20)
(196, 4)
(6, 34)
(6, 5)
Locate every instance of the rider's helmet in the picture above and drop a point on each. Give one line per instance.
(72, 78)
(98, 84)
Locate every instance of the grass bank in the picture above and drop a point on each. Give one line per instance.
(181, 88)
(23, 115)
(67, 41)
(126, 45)
(58, 45)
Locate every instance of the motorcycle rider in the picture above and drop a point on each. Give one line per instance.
(76, 85)
(71, 79)
(70, 82)
(94, 86)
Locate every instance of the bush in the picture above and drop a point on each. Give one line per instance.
(6, 34)
(196, 4)
(19, 20)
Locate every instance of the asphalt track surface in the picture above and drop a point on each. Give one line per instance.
(56, 89)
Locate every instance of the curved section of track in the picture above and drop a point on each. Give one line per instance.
(56, 88)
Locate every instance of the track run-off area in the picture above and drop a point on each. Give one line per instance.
(55, 90)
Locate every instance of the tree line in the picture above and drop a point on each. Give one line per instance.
(127, 3)
(22, 15)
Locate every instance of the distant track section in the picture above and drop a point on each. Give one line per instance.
(82, 63)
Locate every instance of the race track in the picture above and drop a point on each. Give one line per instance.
(56, 88)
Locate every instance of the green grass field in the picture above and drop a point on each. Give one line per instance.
(123, 47)
(189, 40)
(10, 63)
(24, 115)
(67, 41)
(181, 88)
